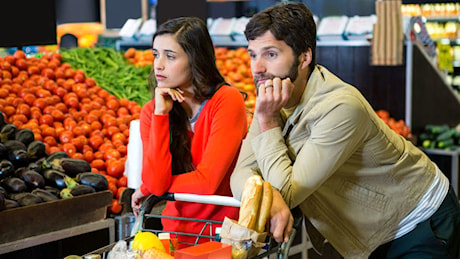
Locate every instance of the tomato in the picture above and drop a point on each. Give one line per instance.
(119, 137)
(50, 140)
(115, 168)
(116, 207)
(78, 155)
(69, 73)
(112, 154)
(69, 148)
(46, 119)
(113, 104)
(96, 141)
(72, 102)
(86, 128)
(49, 131)
(90, 82)
(19, 54)
(123, 150)
(40, 103)
(113, 188)
(122, 181)
(98, 164)
(48, 73)
(23, 109)
(111, 130)
(57, 115)
(88, 155)
(33, 70)
(78, 143)
(120, 192)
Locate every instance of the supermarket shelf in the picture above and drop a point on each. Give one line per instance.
(218, 41)
(108, 223)
(351, 43)
(454, 157)
(441, 19)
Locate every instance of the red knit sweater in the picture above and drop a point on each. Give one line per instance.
(215, 144)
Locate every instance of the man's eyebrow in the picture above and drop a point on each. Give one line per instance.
(265, 48)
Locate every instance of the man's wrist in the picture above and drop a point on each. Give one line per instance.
(267, 123)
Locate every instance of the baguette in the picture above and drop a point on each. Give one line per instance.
(265, 206)
(250, 202)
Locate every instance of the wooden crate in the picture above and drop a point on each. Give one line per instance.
(42, 218)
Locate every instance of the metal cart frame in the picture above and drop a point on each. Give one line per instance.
(272, 247)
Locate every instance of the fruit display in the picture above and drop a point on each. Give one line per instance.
(399, 126)
(69, 112)
(440, 137)
(86, 33)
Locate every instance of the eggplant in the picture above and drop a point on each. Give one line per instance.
(14, 185)
(2, 201)
(6, 169)
(13, 145)
(8, 132)
(95, 180)
(3, 151)
(36, 149)
(3, 191)
(78, 190)
(32, 178)
(17, 196)
(11, 204)
(34, 166)
(71, 166)
(53, 190)
(47, 163)
(44, 194)
(28, 199)
(2, 120)
(55, 178)
(19, 158)
(25, 135)
(57, 155)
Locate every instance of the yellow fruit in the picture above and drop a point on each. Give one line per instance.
(155, 253)
(145, 240)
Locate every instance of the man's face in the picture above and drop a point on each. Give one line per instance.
(271, 58)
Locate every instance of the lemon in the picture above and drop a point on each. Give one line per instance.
(144, 240)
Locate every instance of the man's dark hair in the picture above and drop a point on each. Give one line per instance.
(292, 23)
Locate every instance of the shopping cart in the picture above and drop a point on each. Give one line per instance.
(281, 250)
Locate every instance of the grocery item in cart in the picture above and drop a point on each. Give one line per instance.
(247, 235)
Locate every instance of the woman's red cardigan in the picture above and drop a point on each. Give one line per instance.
(215, 144)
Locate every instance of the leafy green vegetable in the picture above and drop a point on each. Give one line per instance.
(111, 71)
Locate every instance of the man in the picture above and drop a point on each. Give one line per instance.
(367, 190)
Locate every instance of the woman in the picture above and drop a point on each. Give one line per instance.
(192, 129)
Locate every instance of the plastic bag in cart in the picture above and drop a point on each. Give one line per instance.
(246, 243)
(120, 251)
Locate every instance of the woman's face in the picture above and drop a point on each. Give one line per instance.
(171, 63)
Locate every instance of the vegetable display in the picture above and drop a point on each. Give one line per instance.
(54, 109)
(27, 179)
(440, 137)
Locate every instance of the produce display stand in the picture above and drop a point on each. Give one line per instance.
(272, 248)
(449, 163)
(38, 224)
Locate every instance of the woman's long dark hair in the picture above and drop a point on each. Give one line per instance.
(192, 35)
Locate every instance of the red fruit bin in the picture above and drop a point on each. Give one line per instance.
(207, 250)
